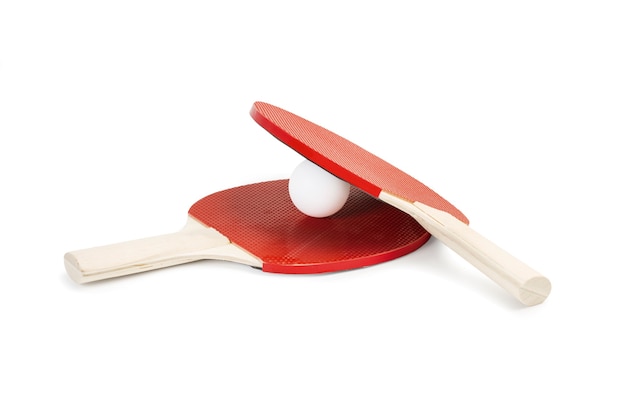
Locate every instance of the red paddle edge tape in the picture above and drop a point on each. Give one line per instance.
(314, 156)
(347, 264)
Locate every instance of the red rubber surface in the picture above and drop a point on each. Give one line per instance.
(261, 219)
(346, 160)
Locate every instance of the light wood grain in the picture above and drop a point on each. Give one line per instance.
(517, 278)
(193, 243)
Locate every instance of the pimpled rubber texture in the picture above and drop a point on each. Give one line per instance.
(261, 219)
(345, 159)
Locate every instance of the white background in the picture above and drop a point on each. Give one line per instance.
(116, 116)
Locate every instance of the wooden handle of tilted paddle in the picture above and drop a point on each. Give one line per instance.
(194, 242)
(517, 278)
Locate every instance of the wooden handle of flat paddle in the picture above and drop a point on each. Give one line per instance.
(193, 243)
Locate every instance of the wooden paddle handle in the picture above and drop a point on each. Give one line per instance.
(194, 242)
(520, 280)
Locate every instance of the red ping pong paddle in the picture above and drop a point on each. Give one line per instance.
(259, 226)
(368, 172)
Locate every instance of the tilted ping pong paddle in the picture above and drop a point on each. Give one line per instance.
(368, 172)
(258, 225)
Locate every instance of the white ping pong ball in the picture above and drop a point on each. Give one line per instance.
(316, 192)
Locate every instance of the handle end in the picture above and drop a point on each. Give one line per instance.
(73, 268)
(534, 291)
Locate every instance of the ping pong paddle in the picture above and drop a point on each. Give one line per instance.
(378, 178)
(258, 225)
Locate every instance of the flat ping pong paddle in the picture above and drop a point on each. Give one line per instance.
(378, 178)
(258, 225)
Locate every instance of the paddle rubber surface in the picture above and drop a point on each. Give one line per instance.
(345, 159)
(261, 219)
